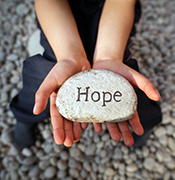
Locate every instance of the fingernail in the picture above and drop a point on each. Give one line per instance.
(158, 95)
(35, 109)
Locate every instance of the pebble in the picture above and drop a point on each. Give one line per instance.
(72, 163)
(163, 156)
(46, 133)
(62, 165)
(43, 164)
(149, 163)
(110, 172)
(117, 154)
(132, 168)
(64, 155)
(101, 100)
(61, 174)
(90, 150)
(33, 46)
(160, 131)
(26, 152)
(75, 152)
(50, 172)
(9, 66)
(74, 173)
(29, 160)
(34, 171)
(7, 137)
(21, 9)
(171, 143)
(87, 166)
(12, 57)
(14, 79)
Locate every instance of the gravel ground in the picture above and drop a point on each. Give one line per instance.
(95, 156)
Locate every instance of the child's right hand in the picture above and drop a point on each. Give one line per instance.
(64, 131)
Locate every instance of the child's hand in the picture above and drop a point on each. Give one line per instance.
(64, 131)
(137, 80)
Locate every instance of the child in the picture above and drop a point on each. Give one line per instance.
(79, 35)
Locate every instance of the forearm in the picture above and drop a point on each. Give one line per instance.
(114, 29)
(60, 28)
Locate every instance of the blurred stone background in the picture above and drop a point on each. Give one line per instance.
(95, 156)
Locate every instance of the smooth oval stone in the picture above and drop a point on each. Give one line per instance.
(96, 96)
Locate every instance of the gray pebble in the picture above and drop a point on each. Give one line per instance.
(14, 79)
(64, 155)
(61, 174)
(90, 149)
(9, 66)
(74, 173)
(62, 165)
(75, 152)
(50, 172)
(21, 9)
(149, 163)
(12, 57)
(29, 160)
(34, 171)
(72, 163)
(43, 164)
(26, 152)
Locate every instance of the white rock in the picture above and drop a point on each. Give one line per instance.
(34, 46)
(132, 168)
(87, 166)
(110, 172)
(160, 131)
(145, 151)
(75, 152)
(14, 79)
(171, 143)
(90, 149)
(163, 156)
(50, 172)
(9, 66)
(21, 9)
(163, 140)
(12, 57)
(14, 92)
(149, 163)
(64, 155)
(96, 96)
(62, 165)
(26, 152)
(117, 153)
(74, 173)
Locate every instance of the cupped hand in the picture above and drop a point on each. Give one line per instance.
(117, 130)
(64, 131)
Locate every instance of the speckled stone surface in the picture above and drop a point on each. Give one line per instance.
(96, 96)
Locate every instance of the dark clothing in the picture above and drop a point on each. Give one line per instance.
(35, 69)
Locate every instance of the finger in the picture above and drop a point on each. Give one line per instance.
(138, 80)
(113, 130)
(59, 73)
(136, 125)
(97, 127)
(84, 125)
(57, 121)
(69, 136)
(76, 131)
(134, 77)
(126, 134)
